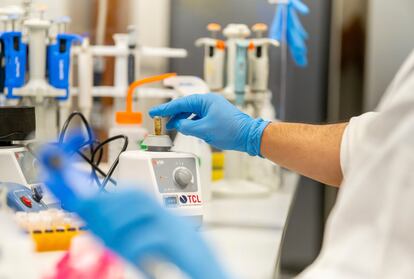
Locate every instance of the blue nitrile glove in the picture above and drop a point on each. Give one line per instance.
(134, 225)
(216, 121)
(129, 222)
(296, 34)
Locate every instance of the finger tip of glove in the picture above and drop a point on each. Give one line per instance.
(303, 63)
(153, 112)
(300, 7)
(157, 111)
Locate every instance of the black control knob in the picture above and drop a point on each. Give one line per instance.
(37, 192)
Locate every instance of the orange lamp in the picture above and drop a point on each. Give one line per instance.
(129, 116)
(251, 46)
(221, 45)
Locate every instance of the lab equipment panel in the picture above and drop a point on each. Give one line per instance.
(171, 177)
(21, 198)
(175, 175)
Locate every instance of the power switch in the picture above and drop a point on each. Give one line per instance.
(26, 201)
(37, 192)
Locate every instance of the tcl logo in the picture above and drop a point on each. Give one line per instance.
(190, 199)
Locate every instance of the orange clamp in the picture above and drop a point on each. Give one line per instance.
(221, 45)
(128, 116)
(251, 46)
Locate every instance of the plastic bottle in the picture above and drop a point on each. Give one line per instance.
(135, 133)
(260, 170)
(267, 111)
(128, 122)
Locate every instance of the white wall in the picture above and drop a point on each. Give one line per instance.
(152, 17)
(55, 7)
(153, 21)
(390, 40)
(79, 10)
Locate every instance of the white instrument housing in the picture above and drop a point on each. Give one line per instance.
(171, 177)
(19, 166)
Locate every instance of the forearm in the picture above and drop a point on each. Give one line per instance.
(311, 150)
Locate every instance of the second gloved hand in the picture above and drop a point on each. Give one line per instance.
(134, 225)
(287, 23)
(216, 121)
(130, 222)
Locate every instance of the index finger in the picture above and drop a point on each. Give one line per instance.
(300, 7)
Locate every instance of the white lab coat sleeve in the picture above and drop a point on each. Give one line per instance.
(352, 137)
(398, 92)
(369, 233)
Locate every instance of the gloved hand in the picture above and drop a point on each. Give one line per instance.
(286, 20)
(129, 222)
(135, 226)
(217, 122)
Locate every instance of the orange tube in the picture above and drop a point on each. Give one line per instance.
(128, 116)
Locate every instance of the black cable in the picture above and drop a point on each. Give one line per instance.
(95, 167)
(97, 162)
(88, 130)
(67, 123)
(95, 152)
(116, 161)
(100, 171)
(90, 142)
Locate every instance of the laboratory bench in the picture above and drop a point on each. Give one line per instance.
(245, 233)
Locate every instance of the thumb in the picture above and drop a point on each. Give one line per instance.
(172, 123)
(188, 127)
